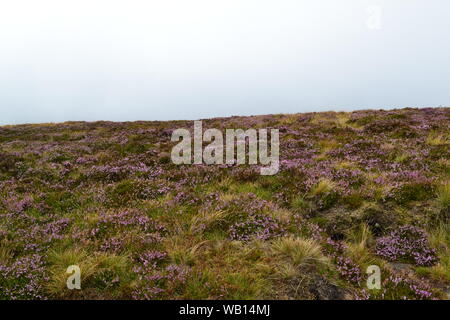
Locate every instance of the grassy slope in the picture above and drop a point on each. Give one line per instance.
(354, 189)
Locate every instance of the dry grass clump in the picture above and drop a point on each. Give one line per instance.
(299, 252)
(443, 195)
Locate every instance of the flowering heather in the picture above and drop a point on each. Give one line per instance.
(106, 196)
(114, 244)
(400, 286)
(126, 219)
(348, 270)
(407, 244)
(155, 278)
(151, 258)
(23, 279)
(420, 290)
(256, 227)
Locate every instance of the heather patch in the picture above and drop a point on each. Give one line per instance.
(406, 244)
(127, 191)
(238, 208)
(123, 221)
(400, 286)
(156, 279)
(256, 227)
(23, 278)
(348, 270)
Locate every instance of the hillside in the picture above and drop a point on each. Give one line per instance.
(353, 190)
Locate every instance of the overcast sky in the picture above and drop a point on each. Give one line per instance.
(187, 59)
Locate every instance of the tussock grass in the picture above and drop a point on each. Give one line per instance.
(299, 251)
(322, 187)
(281, 214)
(184, 251)
(439, 239)
(328, 144)
(402, 157)
(6, 255)
(92, 269)
(345, 165)
(300, 203)
(436, 139)
(443, 195)
(206, 220)
(233, 269)
(358, 245)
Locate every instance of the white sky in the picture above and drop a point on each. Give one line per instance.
(187, 59)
